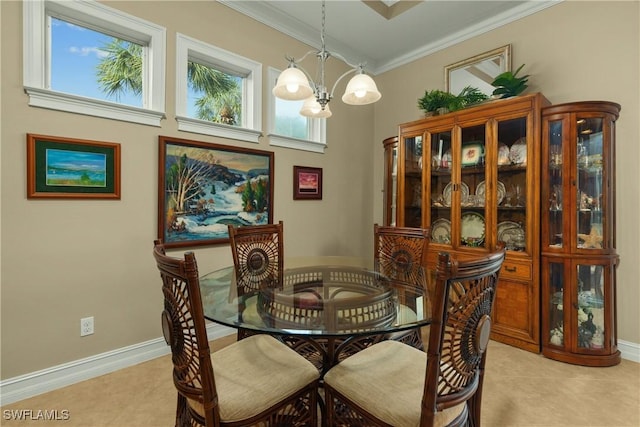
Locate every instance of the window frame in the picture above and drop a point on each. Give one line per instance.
(250, 128)
(98, 17)
(317, 127)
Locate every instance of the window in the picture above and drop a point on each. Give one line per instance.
(63, 35)
(287, 128)
(217, 92)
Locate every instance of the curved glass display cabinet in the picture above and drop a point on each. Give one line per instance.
(579, 258)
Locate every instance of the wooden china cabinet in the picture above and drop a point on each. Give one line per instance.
(473, 177)
(579, 258)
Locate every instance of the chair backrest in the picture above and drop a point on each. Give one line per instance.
(183, 327)
(399, 252)
(459, 333)
(258, 252)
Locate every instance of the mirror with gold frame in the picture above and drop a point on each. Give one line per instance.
(478, 71)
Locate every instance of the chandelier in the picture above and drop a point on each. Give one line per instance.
(295, 83)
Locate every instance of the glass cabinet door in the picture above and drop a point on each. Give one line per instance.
(473, 189)
(555, 321)
(590, 307)
(390, 188)
(511, 186)
(577, 318)
(413, 181)
(589, 183)
(554, 236)
(441, 187)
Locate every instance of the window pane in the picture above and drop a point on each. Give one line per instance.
(92, 64)
(288, 121)
(214, 95)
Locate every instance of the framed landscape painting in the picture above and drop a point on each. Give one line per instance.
(66, 168)
(204, 187)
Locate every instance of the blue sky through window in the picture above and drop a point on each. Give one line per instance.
(75, 54)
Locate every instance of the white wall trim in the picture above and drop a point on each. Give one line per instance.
(629, 350)
(25, 386)
(35, 383)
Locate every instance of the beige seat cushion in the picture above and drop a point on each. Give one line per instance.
(387, 380)
(255, 373)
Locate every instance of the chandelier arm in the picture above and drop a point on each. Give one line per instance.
(340, 78)
(298, 61)
(342, 58)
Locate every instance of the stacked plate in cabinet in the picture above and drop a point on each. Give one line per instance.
(472, 229)
(441, 231)
(480, 191)
(512, 234)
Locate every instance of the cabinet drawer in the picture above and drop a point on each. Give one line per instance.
(516, 270)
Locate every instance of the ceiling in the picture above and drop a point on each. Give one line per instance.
(386, 34)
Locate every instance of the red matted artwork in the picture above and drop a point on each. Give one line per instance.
(307, 183)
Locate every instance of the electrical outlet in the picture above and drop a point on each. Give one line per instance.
(86, 326)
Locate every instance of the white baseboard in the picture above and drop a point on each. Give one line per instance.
(35, 383)
(29, 385)
(629, 350)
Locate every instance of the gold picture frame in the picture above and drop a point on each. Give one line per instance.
(478, 71)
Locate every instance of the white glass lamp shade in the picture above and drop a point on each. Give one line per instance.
(312, 108)
(361, 90)
(292, 85)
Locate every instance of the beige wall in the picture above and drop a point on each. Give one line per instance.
(63, 260)
(574, 51)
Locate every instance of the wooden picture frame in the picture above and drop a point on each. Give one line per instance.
(307, 183)
(195, 210)
(67, 168)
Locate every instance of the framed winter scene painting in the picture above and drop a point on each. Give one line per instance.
(204, 187)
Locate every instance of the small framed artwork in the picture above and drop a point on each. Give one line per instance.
(204, 187)
(307, 183)
(66, 168)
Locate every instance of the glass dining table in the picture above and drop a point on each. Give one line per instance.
(324, 311)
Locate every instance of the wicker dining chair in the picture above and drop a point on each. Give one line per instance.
(394, 384)
(257, 252)
(256, 381)
(400, 253)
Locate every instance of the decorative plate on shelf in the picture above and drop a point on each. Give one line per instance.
(446, 193)
(480, 191)
(512, 234)
(518, 152)
(441, 231)
(472, 153)
(503, 154)
(472, 230)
